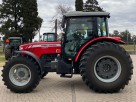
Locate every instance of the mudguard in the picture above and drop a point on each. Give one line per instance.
(33, 56)
(100, 39)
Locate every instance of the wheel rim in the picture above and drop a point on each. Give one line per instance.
(107, 69)
(20, 75)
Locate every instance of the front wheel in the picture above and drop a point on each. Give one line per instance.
(44, 74)
(21, 74)
(106, 67)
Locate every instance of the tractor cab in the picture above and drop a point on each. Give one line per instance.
(49, 37)
(82, 27)
(14, 41)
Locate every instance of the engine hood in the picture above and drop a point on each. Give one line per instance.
(39, 44)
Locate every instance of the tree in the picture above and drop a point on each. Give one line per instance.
(116, 33)
(126, 36)
(61, 9)
(79, 5)
(40, 21)
(10, 17)
(19, 17)
(92, 5)
(30, 18)
(134, 38)
(0, 13)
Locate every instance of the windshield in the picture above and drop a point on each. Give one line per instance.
(48, 37)
(15, 42)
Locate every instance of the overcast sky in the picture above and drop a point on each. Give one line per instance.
(123, 13)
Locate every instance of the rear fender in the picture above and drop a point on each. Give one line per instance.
(33, 56)
(100, 39)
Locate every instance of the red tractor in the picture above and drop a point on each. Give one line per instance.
(85, 49)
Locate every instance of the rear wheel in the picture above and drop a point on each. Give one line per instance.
(106, 67)
(21, 74)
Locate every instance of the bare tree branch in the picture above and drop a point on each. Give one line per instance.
(61, 9)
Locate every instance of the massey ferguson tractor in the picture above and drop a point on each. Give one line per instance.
(85, 48)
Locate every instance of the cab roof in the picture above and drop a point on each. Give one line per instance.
(86, 14)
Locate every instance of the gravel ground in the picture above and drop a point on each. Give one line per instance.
(55, 89)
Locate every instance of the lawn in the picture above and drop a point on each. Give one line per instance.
(2, 57)
(129, 47)
(1, 49)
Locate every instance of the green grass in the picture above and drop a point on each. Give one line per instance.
(1, 49)
(129, 47)
(2, 57)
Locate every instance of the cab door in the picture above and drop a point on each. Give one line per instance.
(78, 32)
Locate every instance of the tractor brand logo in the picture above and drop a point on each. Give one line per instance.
(36, 46)
(47, 45)
(50, 45)
(58, 51)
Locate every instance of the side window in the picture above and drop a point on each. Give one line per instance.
(104, 28)
(79, 30)
(101, 25)
(45, 37)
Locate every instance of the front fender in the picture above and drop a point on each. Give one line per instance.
(33, 56)
(100, 39)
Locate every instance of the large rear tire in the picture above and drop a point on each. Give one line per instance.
(106, 67)
(21, 74)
